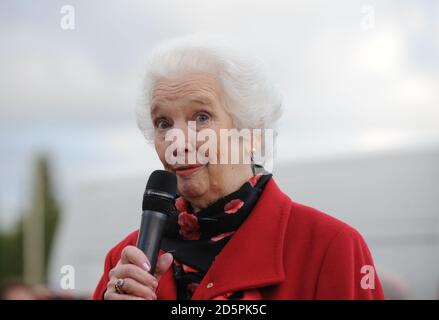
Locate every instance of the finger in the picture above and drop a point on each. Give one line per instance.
(111, 294)
(118, 296)
(134, 272)
(132, 287)
(163, 264)
(131, 254)
(112, 271)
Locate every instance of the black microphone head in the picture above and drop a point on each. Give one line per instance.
(162, 181)
(160, 190)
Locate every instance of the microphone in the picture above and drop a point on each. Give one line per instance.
(158, 202)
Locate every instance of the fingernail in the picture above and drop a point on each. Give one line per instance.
(146, 266)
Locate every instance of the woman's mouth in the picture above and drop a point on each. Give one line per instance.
(185, 171)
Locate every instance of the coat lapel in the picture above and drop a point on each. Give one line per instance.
(253, 257)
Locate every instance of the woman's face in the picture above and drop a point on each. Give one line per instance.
(198, 98)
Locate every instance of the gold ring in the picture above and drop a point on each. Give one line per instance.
(118, 286)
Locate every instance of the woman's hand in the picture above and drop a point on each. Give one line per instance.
(137, 283)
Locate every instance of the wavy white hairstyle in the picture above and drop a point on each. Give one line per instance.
(251, 98)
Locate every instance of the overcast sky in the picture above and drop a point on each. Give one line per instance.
(352, 82)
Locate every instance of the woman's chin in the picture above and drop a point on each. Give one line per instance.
(190, 191)
(192, 187)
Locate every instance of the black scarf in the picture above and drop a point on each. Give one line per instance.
(196, 239)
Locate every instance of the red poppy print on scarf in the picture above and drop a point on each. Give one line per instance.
(187, 268)
(233, 206)
(189, 228)
(181, 204)
(222, 236)
(254, 180)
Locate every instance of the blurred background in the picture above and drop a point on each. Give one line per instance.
(359, 138)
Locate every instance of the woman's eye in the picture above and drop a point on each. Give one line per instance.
(162, 124)
(202, 117)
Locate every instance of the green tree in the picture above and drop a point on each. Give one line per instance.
(11, 253)
(31, 241)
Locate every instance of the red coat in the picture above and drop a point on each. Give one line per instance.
(283, 250)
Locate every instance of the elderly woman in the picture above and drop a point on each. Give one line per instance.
(234, 234)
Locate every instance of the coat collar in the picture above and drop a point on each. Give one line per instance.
(254, 255)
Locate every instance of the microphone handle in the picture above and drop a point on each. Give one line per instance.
(150, 235)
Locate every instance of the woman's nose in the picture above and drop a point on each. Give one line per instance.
(185, 141)
(182, 149)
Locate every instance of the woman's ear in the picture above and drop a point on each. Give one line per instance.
(256, 144)
(249, 150)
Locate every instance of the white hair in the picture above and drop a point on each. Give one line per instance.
(251, 98)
